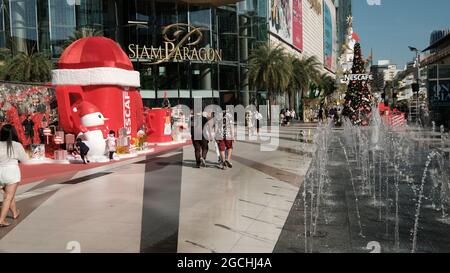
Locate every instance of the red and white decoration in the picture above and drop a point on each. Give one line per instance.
(95, 79)
(58, 140)
(47, 132)
(392, 118)
(104, 68)
(92, 127)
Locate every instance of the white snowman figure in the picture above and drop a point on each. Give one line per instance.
(351, 42)
(351, 39)
(91, 127)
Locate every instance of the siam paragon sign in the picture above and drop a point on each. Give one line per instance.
(179, 41)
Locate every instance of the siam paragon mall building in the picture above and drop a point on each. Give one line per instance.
(183, 49)
(230, 28)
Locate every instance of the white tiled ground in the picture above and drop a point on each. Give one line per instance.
(238, 210)
(252, 205)
(103, 215)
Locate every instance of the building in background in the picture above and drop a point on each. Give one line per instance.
(438, 82)
(305, 28)
(330, 49)
(390, 73)
(405, 83)
(343, 11)
(378, 73)
(232, 28)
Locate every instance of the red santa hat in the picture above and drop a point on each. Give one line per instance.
(356, 37)
(95, 61)
(85, 108)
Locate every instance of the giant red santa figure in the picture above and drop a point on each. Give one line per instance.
(96, 91)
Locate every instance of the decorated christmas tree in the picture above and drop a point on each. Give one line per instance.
(358, 98)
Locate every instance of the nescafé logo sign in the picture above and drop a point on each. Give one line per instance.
(179, 44)
(358, 77)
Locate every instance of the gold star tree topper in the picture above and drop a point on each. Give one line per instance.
(350, 20)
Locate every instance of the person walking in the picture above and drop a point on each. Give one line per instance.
(212, 124)
(213, 127)
(288, 117)
(282, 118)
(250, 124)
(111, 142)
(320, 116)
(293, 114)
(28, 126)
(200, 141)
(11, 152)
(253, 120)
(83, 150)
(336, 117)
(259, 118)
(225, 139)
(41, 135)
(332, 113)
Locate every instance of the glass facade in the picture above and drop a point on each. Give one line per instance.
(23, 21)
(439, 86)
(62, 24)
(234, 29)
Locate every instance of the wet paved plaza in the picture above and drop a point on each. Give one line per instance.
(394, 199)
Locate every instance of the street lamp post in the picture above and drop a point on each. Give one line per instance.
(417, 78)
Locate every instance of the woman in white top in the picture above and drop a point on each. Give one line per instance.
(11, 152)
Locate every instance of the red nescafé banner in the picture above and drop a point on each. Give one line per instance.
(297, 24)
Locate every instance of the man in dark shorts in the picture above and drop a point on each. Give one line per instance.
(83, 150)
(200, 143)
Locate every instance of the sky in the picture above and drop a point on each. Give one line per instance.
(392, 26)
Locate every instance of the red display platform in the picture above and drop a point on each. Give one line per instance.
(34, 173)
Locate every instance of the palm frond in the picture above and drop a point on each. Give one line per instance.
(269, 69)
(28, 67)
(83, 32)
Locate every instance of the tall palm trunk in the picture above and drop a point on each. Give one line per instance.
(287, 99)
(300, 99)
(296, 98)
(292, 99)
(269, 108)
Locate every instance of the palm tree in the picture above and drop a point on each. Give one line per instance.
(326, 84)
(269, 69)
(83, 32)
(5, 56)
(28, 67)
(309, 70)
(295, 81)
(304, 72)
